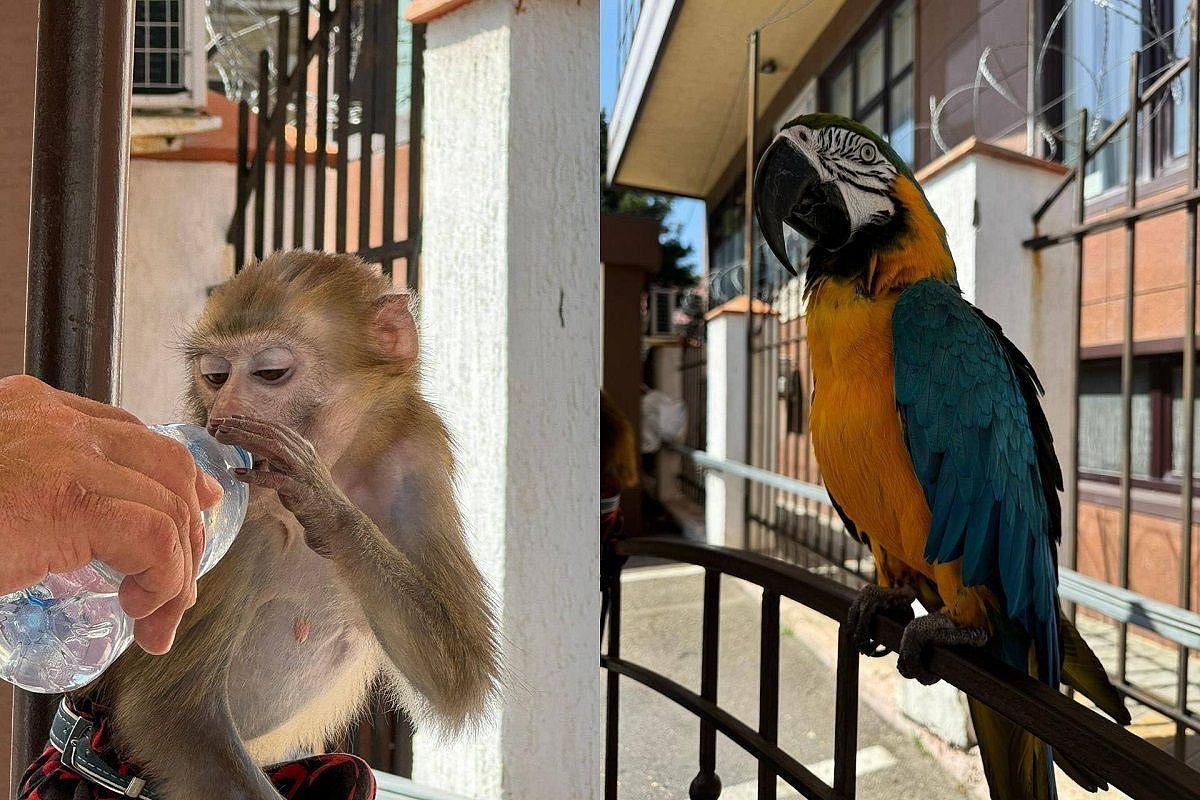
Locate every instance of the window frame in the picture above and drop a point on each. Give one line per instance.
(1161, 365)
(1158, 168)
(847, 58)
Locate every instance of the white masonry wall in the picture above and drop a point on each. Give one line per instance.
(511, 327)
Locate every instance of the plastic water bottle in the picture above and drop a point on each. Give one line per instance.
(62, 633)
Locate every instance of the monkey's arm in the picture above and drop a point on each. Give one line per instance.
(422, 595)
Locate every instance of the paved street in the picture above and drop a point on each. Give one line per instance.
(661, 630)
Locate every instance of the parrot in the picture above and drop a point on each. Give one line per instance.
(927, 425)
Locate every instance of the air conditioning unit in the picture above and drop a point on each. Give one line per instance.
(169, 60)
(661, 317)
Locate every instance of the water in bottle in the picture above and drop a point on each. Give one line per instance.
(62, 633)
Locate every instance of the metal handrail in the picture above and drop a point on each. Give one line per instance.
(1090, 740)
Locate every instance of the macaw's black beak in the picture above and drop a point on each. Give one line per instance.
(788, 190)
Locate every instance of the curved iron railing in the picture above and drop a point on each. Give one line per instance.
(1127, 762)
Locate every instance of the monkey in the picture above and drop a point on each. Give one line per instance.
(352, 564)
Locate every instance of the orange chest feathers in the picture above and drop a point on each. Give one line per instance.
(856, 430)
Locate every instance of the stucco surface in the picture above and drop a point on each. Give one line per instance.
(511, 327)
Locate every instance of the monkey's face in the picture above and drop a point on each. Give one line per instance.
(260, 378)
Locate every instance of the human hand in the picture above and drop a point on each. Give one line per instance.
(80, 480)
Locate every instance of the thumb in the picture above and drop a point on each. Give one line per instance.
(208, 490)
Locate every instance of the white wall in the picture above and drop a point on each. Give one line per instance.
(724, 495)
(175, 249)
(511, 326)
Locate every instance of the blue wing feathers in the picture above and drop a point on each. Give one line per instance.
(982, 451)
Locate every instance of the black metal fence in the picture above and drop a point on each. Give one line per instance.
(1147, 95)
(353, 51)
(1127, 762)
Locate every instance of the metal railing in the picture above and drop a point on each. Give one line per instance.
(364, 92)
(1127, 762)
(1176, 708)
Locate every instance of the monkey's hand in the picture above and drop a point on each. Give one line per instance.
(289, 464)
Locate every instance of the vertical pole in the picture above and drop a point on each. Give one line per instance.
(323, 30)
(1071, 546)
(262, 145)
(389, 58)
(1189, 379)
(845, 717)
(416, 115)
(243, 186)
(707, 784)
(302, 58)
(1131, 157)
(341, 72)
(748, 266)
(278, 127)
(76, 230)
(613, 710)
(1031, 49)
(768, 687)
(367, 66)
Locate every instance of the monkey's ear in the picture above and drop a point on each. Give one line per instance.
(393, 329)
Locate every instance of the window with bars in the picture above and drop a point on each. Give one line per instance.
(1157, 440)
(872, 80)
(159, 47)
(1096, 40)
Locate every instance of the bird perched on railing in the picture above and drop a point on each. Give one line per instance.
(929, 432)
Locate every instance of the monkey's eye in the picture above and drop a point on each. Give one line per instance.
(215, 378)
(271, 375)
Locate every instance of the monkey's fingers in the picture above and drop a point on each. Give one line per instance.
(259, 440)
(277, 481)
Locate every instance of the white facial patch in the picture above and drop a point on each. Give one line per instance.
(854, 164)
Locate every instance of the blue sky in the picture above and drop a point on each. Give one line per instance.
(686, 212)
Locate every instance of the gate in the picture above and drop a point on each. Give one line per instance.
(1176, 624)
(353, 51)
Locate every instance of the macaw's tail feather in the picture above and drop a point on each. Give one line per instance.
(1084, 673)
(1017, 764)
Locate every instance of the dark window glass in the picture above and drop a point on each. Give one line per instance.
(158, 47)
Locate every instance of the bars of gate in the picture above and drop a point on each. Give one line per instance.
(1176, 709)
(1126, 761)
(364, 91)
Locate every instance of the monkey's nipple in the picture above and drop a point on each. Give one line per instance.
(301, 628)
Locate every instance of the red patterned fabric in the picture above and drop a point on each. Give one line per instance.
(336, 776)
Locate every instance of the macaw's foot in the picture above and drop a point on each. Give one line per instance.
(936, 628)
(870, 601)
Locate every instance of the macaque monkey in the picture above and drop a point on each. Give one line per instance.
(351, 564)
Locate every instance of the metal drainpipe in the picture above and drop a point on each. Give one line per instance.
(76, 230)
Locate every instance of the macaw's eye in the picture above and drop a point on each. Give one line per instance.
(271, 375)
(216, 378)
(867, 152)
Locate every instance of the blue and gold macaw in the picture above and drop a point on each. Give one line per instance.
(928, 429)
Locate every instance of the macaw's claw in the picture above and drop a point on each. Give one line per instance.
(870, 601)
(936, 628)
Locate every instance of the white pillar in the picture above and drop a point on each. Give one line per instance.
(724, 503)
(669, 380)
(986, 197)
(511, 326)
